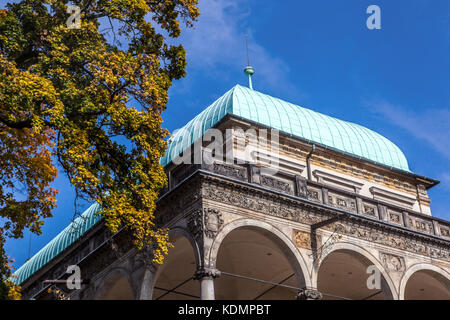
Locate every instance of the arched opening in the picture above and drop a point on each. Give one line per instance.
(116, 287)
(174, 277)
(256, 253)
(344, 274)
(427, 285)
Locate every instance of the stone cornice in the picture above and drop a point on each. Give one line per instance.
(325, 177)
(317, 208)
(379, 193)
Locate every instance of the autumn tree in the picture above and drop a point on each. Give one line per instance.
(87, 98)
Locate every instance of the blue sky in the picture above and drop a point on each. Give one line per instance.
(320, 55)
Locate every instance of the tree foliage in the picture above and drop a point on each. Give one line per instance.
(80, 98)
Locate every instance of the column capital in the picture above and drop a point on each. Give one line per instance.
(309, 294)
(203, 273)
(145, 257)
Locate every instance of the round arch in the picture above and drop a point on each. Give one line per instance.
(290, 251)
(172, 273)
(416, 268)
(179, 231)
(115, 286)
(352, 248)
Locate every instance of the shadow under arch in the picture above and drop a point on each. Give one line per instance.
(432, 277)
(115, 286)
(176, 232)
(171, 280)
(344, 255)
(256, 248)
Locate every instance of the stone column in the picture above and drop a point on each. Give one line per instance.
(146, 290)
(143, 275)
(206, 277)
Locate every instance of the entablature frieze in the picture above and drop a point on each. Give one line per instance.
(364, 227)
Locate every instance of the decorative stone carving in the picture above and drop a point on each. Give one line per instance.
(392, 262)
(370, 210)
(272, 208)
(420, 224)
(204, 222)
(195, 225)
(276, 184)
(230, 171)
(314, 194)
(341, 202)
(213, 222)
(393, 241)
(309, 294)
(395, 217)
(206, 273)
(445, 232)
(302, 239)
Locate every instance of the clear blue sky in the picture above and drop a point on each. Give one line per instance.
(320, 55)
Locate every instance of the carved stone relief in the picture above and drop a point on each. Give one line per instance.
(421, 225)
(230, 171)
(195, 225)
(213, 221)
(395, 217)
(314, 194)
(276, 184)
(370, 210)
(445, 232)
(392, 241)
(204, 222)
(341, 202)
(392, 262)
(302, 239)
(246, 201)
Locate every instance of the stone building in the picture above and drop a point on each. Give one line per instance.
(317, 213)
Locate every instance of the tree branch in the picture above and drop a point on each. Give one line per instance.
(16, 125)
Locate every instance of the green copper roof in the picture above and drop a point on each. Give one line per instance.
(63, 240)
(291, 119)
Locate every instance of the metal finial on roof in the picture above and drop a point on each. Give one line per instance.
(249, 71)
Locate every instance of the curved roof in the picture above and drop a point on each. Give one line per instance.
(58, 244)
(342, 136)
